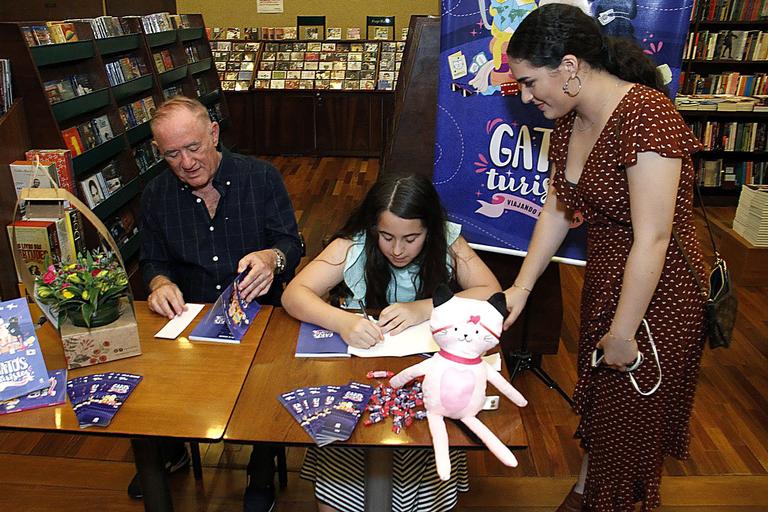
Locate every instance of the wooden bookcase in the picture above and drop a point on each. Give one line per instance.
(711, 17)
(33, 66)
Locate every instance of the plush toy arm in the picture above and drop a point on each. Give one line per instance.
(505, 387)
(409, 374)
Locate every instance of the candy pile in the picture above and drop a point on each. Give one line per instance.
(400, 403)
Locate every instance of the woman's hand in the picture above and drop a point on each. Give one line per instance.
(359, 332)
(397, 317)
(516, 299)
(619, 353)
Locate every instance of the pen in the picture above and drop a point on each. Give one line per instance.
(362, 308)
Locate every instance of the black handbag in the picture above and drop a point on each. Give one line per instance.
(721, 303)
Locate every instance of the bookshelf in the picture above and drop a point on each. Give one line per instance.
(109, 117)
(727, 53)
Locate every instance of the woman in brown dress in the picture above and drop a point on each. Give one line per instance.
(621, 157)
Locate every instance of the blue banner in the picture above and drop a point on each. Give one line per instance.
(491, 164)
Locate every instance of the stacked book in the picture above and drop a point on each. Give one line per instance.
(751, 219)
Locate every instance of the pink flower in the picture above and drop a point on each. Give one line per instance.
(49, 276)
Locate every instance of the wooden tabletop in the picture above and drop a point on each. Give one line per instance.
(188, 390)
(259, 416)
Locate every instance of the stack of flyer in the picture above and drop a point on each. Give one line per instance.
(328, 413)
(751, 219)
(97, 398)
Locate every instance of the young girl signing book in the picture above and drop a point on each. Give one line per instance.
(393, 251)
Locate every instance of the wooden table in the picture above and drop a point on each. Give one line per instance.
(260, 418)
(188, 392)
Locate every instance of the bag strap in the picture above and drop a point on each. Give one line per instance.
(706, 220)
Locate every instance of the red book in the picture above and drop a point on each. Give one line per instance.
(72, 140)
(62, 159)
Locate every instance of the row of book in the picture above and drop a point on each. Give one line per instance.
(193, 53)
(108, 26)
(721, 103)
(732, 10)
(731, 136)
(125, 69)
(731, 174)
(751, 220)
(53, 32)
(146, 155)
(732, 82)
(739, 45)
(88, 135)
(136, 113)
(67, 88)
(163, 21)
(6, 86)
(101, 184)
(291, 33)
(163, 60)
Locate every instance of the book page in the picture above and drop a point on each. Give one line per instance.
(416, 339)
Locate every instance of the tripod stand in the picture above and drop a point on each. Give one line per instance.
(522, 359)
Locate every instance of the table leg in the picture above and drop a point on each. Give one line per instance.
(378, 479)
(152, 475)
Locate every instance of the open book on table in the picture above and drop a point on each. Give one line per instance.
(229, 317)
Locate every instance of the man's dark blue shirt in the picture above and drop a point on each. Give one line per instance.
(199, 253)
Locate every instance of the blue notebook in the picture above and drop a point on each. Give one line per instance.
(22, 368)
(314, 341)
(229, 318)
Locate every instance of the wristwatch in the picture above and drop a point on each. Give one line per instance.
(279, 261)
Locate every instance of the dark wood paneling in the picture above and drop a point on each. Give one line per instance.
(15, 137)
(285, 123)
(411, 142)
(50, 9)
(344, 123)
(240, 133)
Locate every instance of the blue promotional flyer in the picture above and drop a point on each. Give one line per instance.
(491, 165)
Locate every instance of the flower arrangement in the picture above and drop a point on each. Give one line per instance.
(86, 291)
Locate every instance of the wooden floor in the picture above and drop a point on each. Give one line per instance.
(728, 469)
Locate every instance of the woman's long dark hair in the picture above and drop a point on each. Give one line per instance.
(553, 31)
(408, 197)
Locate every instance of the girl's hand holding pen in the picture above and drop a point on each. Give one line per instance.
(360, 332)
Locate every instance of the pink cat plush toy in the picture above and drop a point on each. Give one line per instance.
(455, 377)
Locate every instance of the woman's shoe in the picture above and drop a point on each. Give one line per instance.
(572, 502)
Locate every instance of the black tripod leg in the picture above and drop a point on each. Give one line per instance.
(551, 384)
(521, 361)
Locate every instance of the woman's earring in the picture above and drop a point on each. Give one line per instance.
(567, 86)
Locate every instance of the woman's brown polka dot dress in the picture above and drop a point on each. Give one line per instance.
(628, 435)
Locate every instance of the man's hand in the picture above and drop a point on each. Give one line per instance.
(261, 275)
(397, 317)
(166, 299)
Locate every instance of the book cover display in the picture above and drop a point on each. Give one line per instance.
(53, 394)
(229, 317)
(22, 368)
(235, 63)
(318, 65)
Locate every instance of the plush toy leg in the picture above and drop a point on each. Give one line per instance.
(491, 441)
(440, 443)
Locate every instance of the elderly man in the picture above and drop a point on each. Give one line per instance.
(215, 215)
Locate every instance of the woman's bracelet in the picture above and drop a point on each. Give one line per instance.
(522, 288)
(628, 340)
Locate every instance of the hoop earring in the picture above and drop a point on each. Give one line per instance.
(567, 86)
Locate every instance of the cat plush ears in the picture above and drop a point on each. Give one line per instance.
(443, 294)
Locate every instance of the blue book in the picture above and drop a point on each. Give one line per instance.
(229, 318)
(53, 394)
(314, 341)
(22, 368)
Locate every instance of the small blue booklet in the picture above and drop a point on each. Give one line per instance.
(22, 367)
(53, 394)
(314, 341)
(97, 398)
(229, 317)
